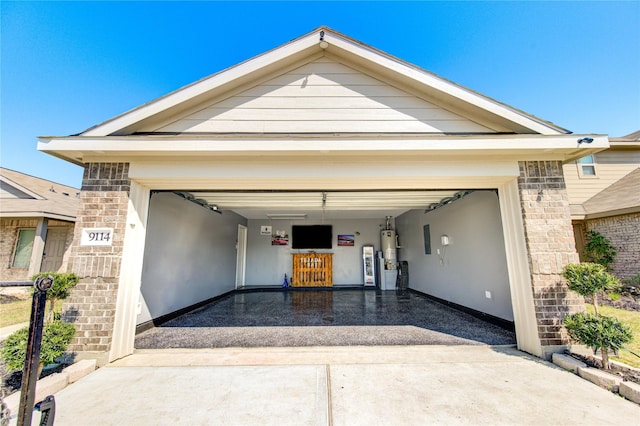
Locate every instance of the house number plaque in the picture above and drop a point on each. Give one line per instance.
(96, 237)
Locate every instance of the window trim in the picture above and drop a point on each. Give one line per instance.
(581, 166)
(16, 246)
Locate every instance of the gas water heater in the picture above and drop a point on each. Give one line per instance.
(388, 245)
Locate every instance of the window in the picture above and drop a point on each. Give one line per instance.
(24, 246)
(587, 166)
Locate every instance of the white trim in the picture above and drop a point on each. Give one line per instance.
(38, 246)
(86, 149)
(122, 342)
(518, 266)
(241, 256)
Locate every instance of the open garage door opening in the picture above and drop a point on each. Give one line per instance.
(231, 250)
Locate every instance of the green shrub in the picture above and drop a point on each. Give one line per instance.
(587, 279)
(63, 282)
(56, 336)
(598, 249)
(598, 332)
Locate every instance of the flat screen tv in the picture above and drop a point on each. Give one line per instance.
(311, 236)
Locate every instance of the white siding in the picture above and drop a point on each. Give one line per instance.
(323, 96)
(611, 166)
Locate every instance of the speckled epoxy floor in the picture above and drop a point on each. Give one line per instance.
(322, 317)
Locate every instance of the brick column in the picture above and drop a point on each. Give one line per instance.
(550, 245)
(92, 304)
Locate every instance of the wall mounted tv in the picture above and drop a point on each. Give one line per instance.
(311, 236)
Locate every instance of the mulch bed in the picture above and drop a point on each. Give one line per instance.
(627, 374)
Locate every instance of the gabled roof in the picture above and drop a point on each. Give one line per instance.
(622, 197)
(325, 42)
(630, 141)
(22, 195)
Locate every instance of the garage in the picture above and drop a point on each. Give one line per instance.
(247, 240)
(323, 130)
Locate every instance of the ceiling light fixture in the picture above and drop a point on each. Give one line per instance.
(287, 216)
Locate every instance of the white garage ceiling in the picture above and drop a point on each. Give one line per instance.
(316, 205)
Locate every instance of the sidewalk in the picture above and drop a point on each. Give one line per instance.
(8, 330)
(381, 385)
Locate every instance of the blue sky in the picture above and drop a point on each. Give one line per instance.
(66, 66)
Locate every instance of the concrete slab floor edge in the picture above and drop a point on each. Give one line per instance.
(337, 386)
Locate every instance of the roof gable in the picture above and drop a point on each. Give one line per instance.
(28, 196)
(480, 113)
(320, 97)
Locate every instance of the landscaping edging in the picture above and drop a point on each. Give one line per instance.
(54, 383)
(611, 382)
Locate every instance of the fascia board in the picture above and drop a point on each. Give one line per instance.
(38, 214)
(563, 147)
(437, 83)
(609, 213)
(203, 86)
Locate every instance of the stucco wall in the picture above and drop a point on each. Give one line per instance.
(190, 255)
(267, 264)
(474, 262)
(624, 234)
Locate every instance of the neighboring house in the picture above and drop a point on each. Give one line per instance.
(322, 130)
(604, 196)
(37, 219)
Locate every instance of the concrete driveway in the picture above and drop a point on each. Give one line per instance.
(374, 385)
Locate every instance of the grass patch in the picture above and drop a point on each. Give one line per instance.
(16, 309)
(632, 319)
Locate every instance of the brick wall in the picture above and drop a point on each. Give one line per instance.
(9, 228)
(551, 246)
(624, 233)
(91, 306)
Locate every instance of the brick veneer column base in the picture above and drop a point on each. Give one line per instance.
(92, 304)
(551, 246)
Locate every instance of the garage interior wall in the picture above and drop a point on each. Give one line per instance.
(267, 264)
(190, 255)
(472, 264)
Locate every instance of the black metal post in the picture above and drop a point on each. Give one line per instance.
(32, 360)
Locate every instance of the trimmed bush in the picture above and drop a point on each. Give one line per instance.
(56, 336)
(598, 332)
(587, 279)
